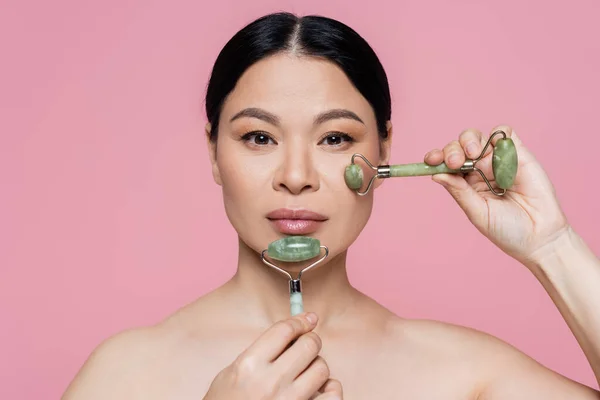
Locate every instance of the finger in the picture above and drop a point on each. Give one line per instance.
(503, 128)
(471, 142)
(331, 390)
(328, 396)
(332, 386)
(276, 339)
(466, 196)
(311, 380)
(454, 155)
(434, 157)
(510, 133)
(525, 156)
(471, 139)
(299, 356)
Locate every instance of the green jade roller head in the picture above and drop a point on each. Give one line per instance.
(294, 249)
(504, 167)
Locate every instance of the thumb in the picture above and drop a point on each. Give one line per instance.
(466, 197)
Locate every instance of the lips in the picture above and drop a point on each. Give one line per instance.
(296, 222)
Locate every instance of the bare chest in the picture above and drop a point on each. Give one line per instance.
(364, 374)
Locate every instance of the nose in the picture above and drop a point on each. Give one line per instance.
(296, 172)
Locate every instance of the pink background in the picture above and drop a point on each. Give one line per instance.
(106, 193)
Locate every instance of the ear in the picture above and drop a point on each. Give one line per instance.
(385, 152)
(212, 152)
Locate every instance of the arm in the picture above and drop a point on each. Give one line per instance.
(528, 224)
(570, 273)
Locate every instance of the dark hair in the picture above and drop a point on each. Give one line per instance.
(315, 36)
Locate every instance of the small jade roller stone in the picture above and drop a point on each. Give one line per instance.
(353, 175)
(295, 249)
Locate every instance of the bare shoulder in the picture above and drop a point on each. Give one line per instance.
(113, 368)
(497, 369)
(143, 362)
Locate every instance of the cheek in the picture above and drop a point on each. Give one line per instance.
(239, 185)
(244, 182)
(246, 188)
(350, 211)
(354, 211)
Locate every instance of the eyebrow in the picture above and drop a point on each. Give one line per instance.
(257, 113)
(272, 119)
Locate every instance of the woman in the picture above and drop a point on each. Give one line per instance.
(289, 100)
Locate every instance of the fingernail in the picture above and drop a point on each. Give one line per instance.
(471, 149)
(312, 318)
(453, 158)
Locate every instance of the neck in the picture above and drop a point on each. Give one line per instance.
(326, 289)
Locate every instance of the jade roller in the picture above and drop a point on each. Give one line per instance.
(294, 249)
(504, 167)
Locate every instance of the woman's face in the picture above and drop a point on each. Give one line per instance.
(286, 133)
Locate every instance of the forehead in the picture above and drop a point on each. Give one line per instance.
(287, 84)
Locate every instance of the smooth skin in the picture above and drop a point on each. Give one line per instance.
(289, 148)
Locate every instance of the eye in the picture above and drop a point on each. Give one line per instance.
(257, 138)
(337, 139)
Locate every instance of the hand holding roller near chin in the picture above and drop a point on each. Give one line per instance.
(497, 182)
